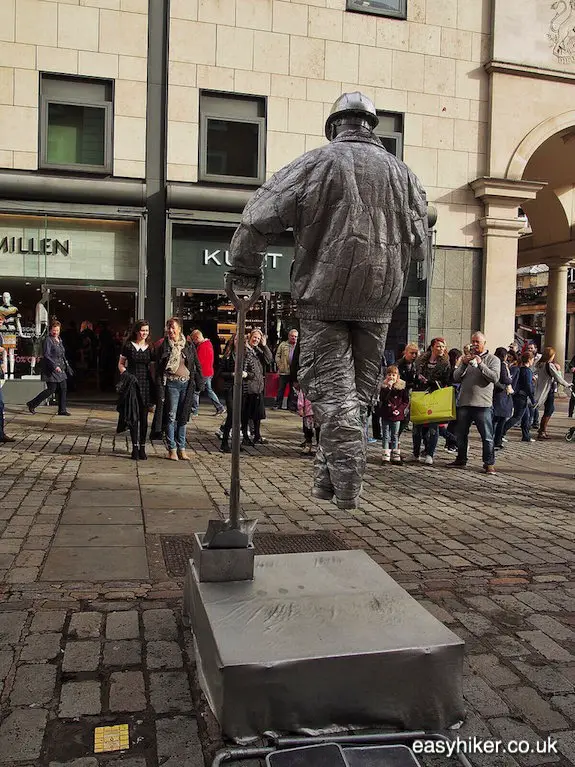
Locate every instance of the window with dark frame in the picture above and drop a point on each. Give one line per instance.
(390, 132)
(394, 8)
(76, 118)
(232, 138)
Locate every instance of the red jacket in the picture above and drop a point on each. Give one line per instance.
(205, 352)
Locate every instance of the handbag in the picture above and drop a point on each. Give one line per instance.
(433, 407)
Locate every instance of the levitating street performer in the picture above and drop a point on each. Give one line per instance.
(358, 215)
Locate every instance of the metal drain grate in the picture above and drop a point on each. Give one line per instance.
(177, 549)
(296, 543)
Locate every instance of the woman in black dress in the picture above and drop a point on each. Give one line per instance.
(137, 361)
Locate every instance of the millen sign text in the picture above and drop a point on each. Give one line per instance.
(45, 247)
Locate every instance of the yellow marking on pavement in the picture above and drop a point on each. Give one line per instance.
(115, 738)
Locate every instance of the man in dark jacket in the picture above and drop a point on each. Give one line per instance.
(358, 216)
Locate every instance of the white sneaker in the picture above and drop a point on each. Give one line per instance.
(428, 460)
(386, 456)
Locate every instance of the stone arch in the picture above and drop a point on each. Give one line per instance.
(534, 139)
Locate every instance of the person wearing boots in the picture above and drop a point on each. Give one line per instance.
(137, 362)
(359, 215)
(548, 379)
(178, 376)
(393, 403)
(284, 356)
(258, 356)
(3, 373)
(55, 368)
(227, 368)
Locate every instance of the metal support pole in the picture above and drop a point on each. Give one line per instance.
(236, 419)
(236, 532)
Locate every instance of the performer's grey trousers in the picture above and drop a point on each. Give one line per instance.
(339, 371)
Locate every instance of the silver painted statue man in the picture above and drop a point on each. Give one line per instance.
(359, 216)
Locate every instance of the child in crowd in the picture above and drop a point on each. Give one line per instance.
(305, 411)
(393, 402)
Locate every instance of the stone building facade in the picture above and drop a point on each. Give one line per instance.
(450, 78)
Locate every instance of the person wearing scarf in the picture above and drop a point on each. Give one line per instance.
(178, 376)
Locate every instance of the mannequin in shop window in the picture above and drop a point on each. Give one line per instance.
(40, 327)
(10, 329)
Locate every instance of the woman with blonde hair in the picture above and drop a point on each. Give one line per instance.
(408, 373)
(258, 356)
(178, 376)
(548, 378)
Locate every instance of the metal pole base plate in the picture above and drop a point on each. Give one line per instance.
(222, 565)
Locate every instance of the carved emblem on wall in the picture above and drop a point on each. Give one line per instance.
(561, 33)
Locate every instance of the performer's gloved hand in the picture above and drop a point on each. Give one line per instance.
(242, 282)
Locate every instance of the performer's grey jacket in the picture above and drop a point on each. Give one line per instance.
(358, 214)
(477, 383)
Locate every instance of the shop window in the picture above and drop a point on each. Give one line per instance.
(390, 132)
(232, 139)
(76, 124)
(395, 8)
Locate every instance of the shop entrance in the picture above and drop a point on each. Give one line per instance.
(95, 320)
(211, 312)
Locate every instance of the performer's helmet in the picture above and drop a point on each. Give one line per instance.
(351, 105)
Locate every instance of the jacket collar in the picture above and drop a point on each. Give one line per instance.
(362, 135)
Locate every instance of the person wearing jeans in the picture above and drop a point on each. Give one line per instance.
(483, 419)
(175, 427)
(477, 373)
(205, 351)
(178, 376)
(433, 371)
(393, 402)
(523, 399)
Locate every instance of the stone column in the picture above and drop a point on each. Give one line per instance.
(556, 316)
(501, 226)
(571, 341)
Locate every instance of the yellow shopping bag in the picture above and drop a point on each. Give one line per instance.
(433, 407)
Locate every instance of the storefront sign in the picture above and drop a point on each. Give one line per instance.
(200, 264)
(45, 246)
(221, 257)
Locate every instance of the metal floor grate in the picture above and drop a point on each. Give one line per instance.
(177, 549)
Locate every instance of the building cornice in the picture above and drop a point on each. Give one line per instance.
(526, 70)
(501, 227)
(506, 190)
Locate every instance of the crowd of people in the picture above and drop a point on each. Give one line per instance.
(496, 392)
(493, 391)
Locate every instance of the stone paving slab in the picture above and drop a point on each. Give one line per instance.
(159, 496)
(96, 563)
(176, 521)
(104, 498)
(99, 535)
(118, 515)
(107, 481)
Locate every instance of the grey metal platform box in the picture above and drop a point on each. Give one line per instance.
(320, 639)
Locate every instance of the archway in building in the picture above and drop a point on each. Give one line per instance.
(549, 237)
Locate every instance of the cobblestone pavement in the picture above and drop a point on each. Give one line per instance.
(90, 627)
